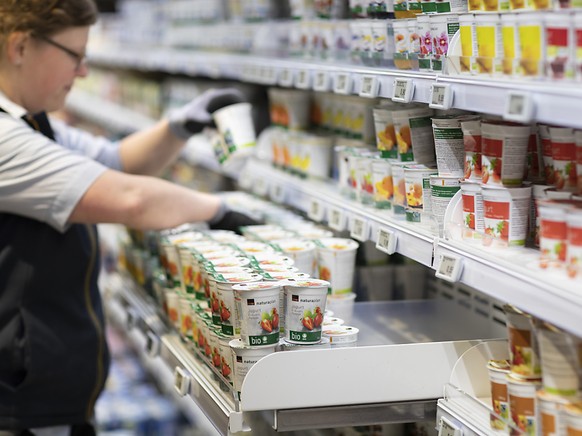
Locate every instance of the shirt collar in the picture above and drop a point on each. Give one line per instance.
(10, 107)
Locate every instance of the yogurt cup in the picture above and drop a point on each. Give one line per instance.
(559, 43)
(342, 305)
(553, 234)
(443, 27)
(312, 233)
(417, 183)
(574, 257)
(561, 367)
(544, 133)
(424, 32)
(489, 42)
(224, 236)
(399, 200)
(341, 336)
(336, 259)
(511, 45)
(384, 128)
(304, 306)
(442, 190)
(573, 415)
(506, 212)
(532, 40)
(244, 358)
(261, 260)
(551, 413)
(172, 299)
(523, 347)
(331, 321)
(498, 371)
(450, 145)
(383, 184)
(185, 304)
(472, 170)
(414, 135)
(578, 140)
(522, 404)
(302, 252)
(315, 156)
(226, 358)
(401, 45)
(473, 214)
(504, 153)
(258, 307)
(229, 317)
(254, 247)
(564, 158)
(235, 124)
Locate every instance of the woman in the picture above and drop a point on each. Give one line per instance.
(56, 182)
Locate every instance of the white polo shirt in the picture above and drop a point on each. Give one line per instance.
(43, 179)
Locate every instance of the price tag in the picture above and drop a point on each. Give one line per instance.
(369, 86)
(303, 79)
(386, 241)
(277, 193)
(343, 84)
(403, 90)
(449, 268)
(359, 230)
(447, 428)
(181, 381)
(441, 96)
(316, 210)
(321, 81)
(337, 219)
(519, 106)
(286, 77)
(261, 187)
(152, 344)
(271, 76)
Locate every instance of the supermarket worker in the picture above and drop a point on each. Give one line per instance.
(56, 182)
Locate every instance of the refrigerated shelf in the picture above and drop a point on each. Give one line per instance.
(405, 353)
(543, 101)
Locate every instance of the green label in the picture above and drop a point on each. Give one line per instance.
(399, 210)
(305, 337)
(420, 122)
(444, 191)
(452, 28)
(398, 7)
(200, 295)
(437, 65)
(272, 338)
(383, 205)
(424, 63)
(428, 7)
(216, 319)
(443, 7)
(414, 6)
(412, 216)
(407, 157)
(390, 154)
(400, 56)
(226, 329)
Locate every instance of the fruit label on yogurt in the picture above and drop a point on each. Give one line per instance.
(259, 319)
(553, 235)
(507, 220)
(304, 318)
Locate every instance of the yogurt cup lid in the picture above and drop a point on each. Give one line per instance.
(283, 275)
(337, 244)
(332, 321)
(347, 333)
(306, 283)
(236, 278)
(255, 286)
(498, 365)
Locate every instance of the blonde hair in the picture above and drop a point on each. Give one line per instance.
(44, 17)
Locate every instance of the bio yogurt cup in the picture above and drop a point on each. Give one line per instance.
(336, 258)
(244, 357)
(302, 252)
(258, 307)
(235, 124)
(304, 307)
(564, 158)
(229, 317)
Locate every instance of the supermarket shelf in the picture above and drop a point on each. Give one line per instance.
(307, 194)
(512, 276)
(106, 113)
(405, 354)
(551, 102)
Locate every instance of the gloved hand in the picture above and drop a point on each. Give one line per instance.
(228, 219)
(194, 116)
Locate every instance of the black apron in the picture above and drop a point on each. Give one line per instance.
(53, 354)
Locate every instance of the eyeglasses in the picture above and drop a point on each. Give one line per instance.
(78, 58)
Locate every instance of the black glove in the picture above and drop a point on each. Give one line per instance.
(227, 219)
(194, 116)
